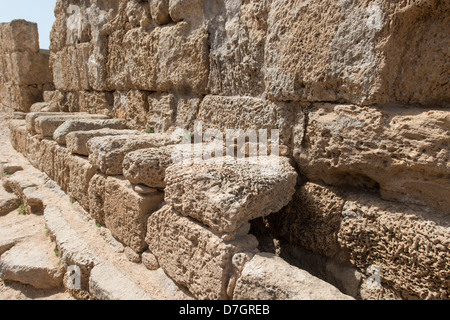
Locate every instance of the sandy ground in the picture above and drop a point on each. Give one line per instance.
(14, 290)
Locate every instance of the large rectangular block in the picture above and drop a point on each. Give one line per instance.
(18, 135)
(19, 35)
(76, 141)
(81, 173)
(194, 256)
(107, 153)
(403, 152)
(356, 52)
(173, 57)
(126, 212)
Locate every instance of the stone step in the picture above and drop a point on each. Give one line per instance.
(107, 153)
(46, 126)
(225, 196)
(86, 125)
(76, 141)
(148, 166)
(8, 201)
(33, 262)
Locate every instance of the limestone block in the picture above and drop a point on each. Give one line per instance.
(126, 212)
(96, 102)
(361, 52)
(237, 45)
(181, 245)
(247, 113)
(226, 196)
(148, 166)
(407, 246)
(107, 153)
(403, 152)
(32, 262)
(170, 58)
(20, 97)
(19, 35)
(85, 125)
(268, 277)
(18, 135)
(46, 125)
(312, 219)
(8, 202)
(31, 119)
(160, 11)
(96, 194)
(81, 172)
(76, 141)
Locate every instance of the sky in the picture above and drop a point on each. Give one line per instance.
(39, 11)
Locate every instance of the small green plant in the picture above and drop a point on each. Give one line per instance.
(6, 174)
(56, 252)
(72, 201)
(187, 137)
(98, 225)
(151, 130)
(22, 209)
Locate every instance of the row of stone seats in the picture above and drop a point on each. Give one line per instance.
(197, 227)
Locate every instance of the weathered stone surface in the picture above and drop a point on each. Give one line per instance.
(32, 262)
(148, 166)
(96, 194)
(226, 196)
(312, 219)
(8, 202)
(126, 212)
(171, 58)
(160, 11)
(39, 106)
(20, 97)
(107, 153)
(81, 172)
(9, 168)
(34, 200)
(268, 277)
(403, 152)
(237, 44)
(76, 141)
(18, 135)
(378, 34)
(247, 113)
(410, 250)
(32, 117)
(181, 245)
(108, 283)
(149, 260)
(85, 125)
(19, 35)
(96, 102)
(131, 255)
(46, 125)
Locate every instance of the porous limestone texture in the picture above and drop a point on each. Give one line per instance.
(182, 244)
(268, 277)
(148, 166)
(24, 68)
(225, 196)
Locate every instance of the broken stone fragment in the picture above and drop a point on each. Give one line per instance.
(8, 201)
(182, 244)
(86, 125)
(76, 141)
(225, 196)
(149, 260)
(9, 168)
(107, 153)
(148, 166)
(268, 277)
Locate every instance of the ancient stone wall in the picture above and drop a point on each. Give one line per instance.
(358, 89)
(24, 68)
